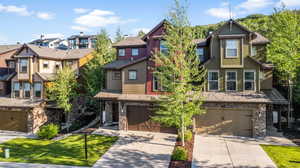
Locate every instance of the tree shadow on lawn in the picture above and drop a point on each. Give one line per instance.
(69, 151)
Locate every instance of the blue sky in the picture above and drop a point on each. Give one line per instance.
(24, 20)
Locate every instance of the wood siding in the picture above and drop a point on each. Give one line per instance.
(135, 86)
(111, 82)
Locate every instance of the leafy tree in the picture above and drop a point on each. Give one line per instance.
(284, 49)
(119, 35)
(63, 89)
(93, 72)
(179, 70)
(141, 33)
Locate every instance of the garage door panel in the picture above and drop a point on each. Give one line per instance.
(13, 121)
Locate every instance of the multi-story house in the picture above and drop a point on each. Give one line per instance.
(239, 97)
(56, 43)
(82, 41)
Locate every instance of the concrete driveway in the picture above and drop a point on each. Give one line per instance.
(138, 149)
(230, 152)
(9, 135)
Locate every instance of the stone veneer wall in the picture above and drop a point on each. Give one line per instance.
(258, 118)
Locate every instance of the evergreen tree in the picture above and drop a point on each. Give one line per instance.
(119, 35)
(179, 71)
(141, 33)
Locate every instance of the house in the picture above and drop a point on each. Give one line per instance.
(239, 97)
(35, 67)
(82, 41)
(56, 43)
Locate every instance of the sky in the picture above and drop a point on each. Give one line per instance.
(25, 20)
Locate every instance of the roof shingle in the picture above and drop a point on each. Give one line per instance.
(130, 41)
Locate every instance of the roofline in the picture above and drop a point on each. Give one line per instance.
(136, 45)
(129, 64)
(154, 29)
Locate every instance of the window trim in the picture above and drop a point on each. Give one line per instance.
(202, 48)
(161, 88)
(13, 88)
(244, 79)
(163, 50)
(236, 80)
(208, 88)
(24, 91)
(237, 49)
(135, 49)
(123, 49)
(20, 65)
(132, 70)
(34, 91)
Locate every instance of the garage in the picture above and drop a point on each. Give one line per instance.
(13, 121)
(139, 119)
(236, 122)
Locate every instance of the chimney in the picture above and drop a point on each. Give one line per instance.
(81, 33)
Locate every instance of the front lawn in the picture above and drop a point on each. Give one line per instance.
(68, 151)
(284, 156)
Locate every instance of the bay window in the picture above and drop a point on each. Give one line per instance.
(26, 90)
(23, 67)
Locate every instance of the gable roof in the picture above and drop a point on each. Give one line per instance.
(6, 48)
(120, 64)
(57, 54)
(155, 28)
(259, 39)
(130, 41)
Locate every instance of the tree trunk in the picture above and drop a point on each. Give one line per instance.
(290, 99)
(182, 130)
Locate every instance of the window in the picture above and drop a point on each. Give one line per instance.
(69, 63)
(200, 54)
(253, 51)
(57, 65)
(135, 52)
(231, 48)
(213, 80)
(23, 65)
(72, 43)
(121, 52)
(117, 76)
(16, 89)
(11, 64)
(249, 80)
(83, 43)
(37, 89)
(163, 47)
(94, 41)
(45, 64)
(27, 90)
(231, 80)
(132, 75)
(157, 84)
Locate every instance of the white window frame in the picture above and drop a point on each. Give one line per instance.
(160, 85)
(244, 80)
(253, 51)
(135, 52)
(129, 76)
(200, 55)
(236, 80)
(217, 71)
(25, 89)
(121, 52)
(237, 48)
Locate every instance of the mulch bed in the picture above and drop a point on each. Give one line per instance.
(189, 146)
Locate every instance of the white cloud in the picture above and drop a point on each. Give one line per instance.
(99, 18)
(49, 35)
(80, 10)
(20, 10)
(222, 13)
(288, 3)
(136, 31)
(45, 15)
(252, 5)
(80, 28)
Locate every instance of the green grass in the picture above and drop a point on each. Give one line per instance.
(68, 151)
(284, 156)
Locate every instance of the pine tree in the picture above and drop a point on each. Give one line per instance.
(119, 35)
(180, 73)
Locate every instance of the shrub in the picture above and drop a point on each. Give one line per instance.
(187, 136)
(48, 131)
(179, 154)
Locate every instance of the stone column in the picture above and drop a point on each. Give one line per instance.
(259, 121)
(123, 123)
(108, 111)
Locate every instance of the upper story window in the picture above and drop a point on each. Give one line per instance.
(72, 43)
(23, 66)
(132, 74)
(26, 90)
(45, 64)
(213, 80)
(83, 43)
(231, 80)
(69, 63)
(117, 76)
(200, 54)
(16, 89)
(231, 48)
(11, 64)
(163, 47)
(249, 79)
(134, 51)
(37, 89)
(253, 51)
(121, 52)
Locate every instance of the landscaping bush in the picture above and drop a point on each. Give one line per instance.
(48, 131)
(187, 136)
(179, 154)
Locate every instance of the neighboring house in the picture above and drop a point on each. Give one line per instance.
(82, 41)
(35, 67)
(56, 43)
(239, 97)
(7, 67)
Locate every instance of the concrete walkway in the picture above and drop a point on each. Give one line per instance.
(137, 149)
(232, 152)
